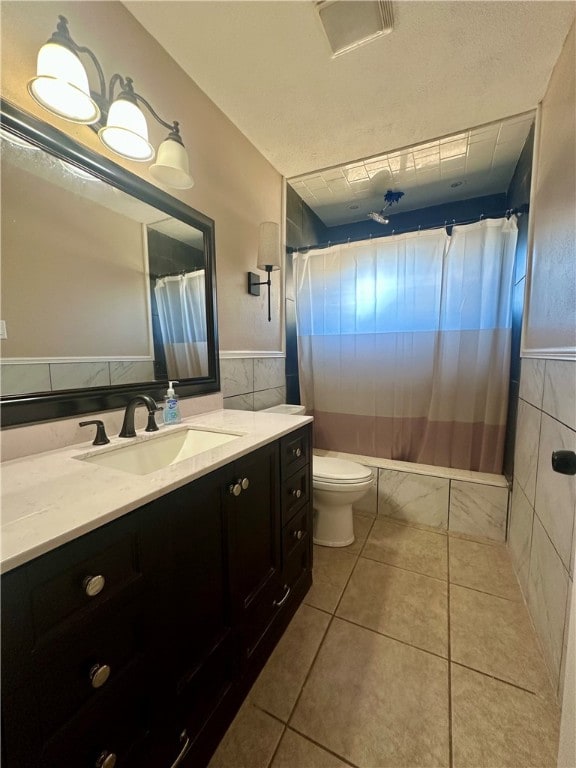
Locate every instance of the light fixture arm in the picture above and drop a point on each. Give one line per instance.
(128, 92)
(252, 283)
(62, 36)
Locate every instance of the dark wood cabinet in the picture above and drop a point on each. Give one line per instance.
(135, 644)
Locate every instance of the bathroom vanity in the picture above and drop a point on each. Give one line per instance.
(135, 620)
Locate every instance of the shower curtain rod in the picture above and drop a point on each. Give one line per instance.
(447, 224)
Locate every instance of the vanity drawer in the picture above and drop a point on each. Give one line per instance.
(69, 583)
(116, 725)
(295, 451)
(296, 531)
(295, 493)
(84, 666)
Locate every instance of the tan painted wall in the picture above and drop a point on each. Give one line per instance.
(550, 320)
(62, 257)
(235, 185)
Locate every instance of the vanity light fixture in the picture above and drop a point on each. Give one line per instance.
(61, 86)
(268, 258)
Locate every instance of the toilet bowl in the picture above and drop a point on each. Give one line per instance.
(337, 485)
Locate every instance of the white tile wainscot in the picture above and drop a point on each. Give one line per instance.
(252, 382)
(473, 504)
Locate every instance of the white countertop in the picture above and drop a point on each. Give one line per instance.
(51, 498)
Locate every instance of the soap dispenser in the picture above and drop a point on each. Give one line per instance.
(171, 405)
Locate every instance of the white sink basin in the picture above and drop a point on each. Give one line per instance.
(160, 451)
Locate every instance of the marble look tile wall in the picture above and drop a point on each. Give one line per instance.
(253, 383)
(542, 534)
(22, 378)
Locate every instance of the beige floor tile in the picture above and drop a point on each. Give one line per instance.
(332, 569)
(376, 702)
(408, 547)
(404, 605)
(486, 567)
(249, 742)
(297, 752)
(362, 527)
(495, 636)
(281, 680)
(495, 725)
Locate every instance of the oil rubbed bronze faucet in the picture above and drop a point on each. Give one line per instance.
(128, 423)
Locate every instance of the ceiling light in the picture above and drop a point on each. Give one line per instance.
(61, 87)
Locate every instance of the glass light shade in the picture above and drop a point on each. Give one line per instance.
(269, 246)
(171, 167)
(126, 132)
(61, 85)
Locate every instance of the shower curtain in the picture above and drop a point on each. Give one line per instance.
(182, 311)
(404, 344)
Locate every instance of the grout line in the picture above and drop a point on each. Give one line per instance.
(402, 568)
(277, 747)
(391, 637)
(484, 592)
(322, 746)
(450, 744)
(448, 510)
(320, 645)
(501, 680)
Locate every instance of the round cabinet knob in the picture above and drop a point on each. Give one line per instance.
(245, 483)
(93, 585)
(297, 452)
(99, 674)
(296, 492)
(297, 534)
(106, 760)
(235, 489)
(564, 462)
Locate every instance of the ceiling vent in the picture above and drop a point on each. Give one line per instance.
(351, 23)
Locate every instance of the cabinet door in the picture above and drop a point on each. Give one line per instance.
(255, 541)
(191, 611)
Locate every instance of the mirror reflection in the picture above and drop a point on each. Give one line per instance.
(98, 288)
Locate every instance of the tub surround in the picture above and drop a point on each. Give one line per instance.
(51, 498)
(473, 504)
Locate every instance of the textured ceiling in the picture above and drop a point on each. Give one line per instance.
(446, 67)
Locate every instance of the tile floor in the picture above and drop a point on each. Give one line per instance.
(412, 649)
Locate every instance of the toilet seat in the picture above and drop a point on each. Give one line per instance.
(328, 471)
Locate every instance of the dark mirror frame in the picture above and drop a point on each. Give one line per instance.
(34, 407)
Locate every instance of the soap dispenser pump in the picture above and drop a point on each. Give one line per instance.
(171, 405)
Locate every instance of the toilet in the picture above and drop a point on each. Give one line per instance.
(337, 485)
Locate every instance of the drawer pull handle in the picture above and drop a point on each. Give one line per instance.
(106, 760)
(99, 674)
(244, 483)
(186, 739)
(296, 492)
(297, 452)
(280, 603)
(93, 585)
(298, 534)
(235, 489)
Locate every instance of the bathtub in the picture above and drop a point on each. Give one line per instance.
(456, 500)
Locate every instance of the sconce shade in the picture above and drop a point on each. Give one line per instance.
(126, 132)
(269, 246)
(171, 167)
(61, 85)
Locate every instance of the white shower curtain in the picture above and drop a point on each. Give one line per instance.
(182, 310)
(404, 344)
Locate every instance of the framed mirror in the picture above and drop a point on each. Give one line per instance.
(108, 283)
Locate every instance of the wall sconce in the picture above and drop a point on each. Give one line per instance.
(268, 258)
(61, 86)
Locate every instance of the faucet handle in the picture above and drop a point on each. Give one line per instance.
(101, 436)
